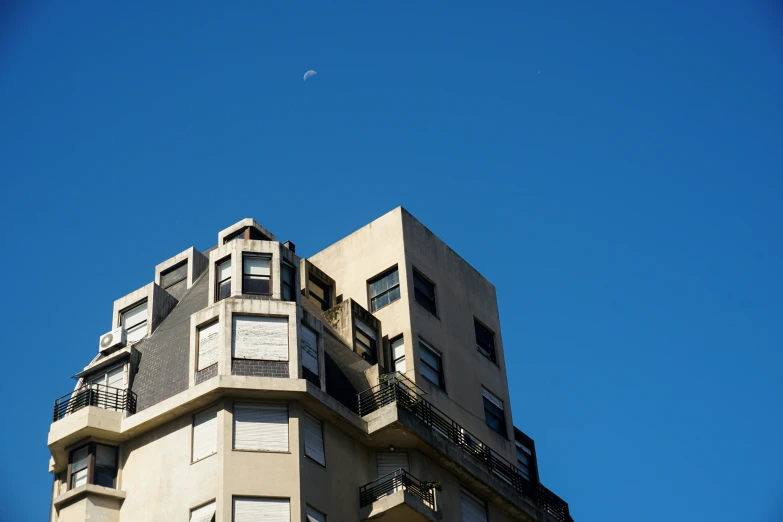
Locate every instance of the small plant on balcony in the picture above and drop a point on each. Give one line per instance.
(426, 486)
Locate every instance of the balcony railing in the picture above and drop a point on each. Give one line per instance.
(98, 395)
(397, 480)
(397, 388)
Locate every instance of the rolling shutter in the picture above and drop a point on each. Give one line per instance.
(204, 513)
(473, 509)
(391, 461)
(313, 515)
(368, 330)
(260, 509)
(204, 434)
(261, 427)
(310, 349)
(207, 345)
(264, 338)
(314, 439)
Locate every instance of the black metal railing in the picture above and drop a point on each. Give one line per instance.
(397, 388)
(397, 480)
(95, 395)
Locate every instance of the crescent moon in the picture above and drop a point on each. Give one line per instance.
(308, 74)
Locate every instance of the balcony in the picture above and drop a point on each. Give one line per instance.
(398, 497)
(99, 395)
(400, 390)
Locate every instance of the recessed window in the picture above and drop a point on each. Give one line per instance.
(314, 439)
(431, 364)
(134, 321)
(204, 434)
(424, 292)
(310, 354)
(255, 509)
(93, 464)
(245, 233)
(398, 354)
(259, 337)
(287, 282)
(524, 456)
(261, 427)
(320, 292)
(494, 414)
(223, 279)
(366, 341)
(205, 513)
(256, 277)
(174, 280)
(384, 290)
(313, 515)
(207, 345)
(473, 508)
(485, 341)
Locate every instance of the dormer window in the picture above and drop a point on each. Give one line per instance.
(223, 279)
(245, 233)
(175, 279)
(256, 274)
(134, 321)
(320, 293)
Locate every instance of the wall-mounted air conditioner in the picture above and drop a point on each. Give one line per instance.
(112, 340)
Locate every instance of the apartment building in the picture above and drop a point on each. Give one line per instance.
(248, 384)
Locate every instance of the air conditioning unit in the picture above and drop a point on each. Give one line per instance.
(112, 340)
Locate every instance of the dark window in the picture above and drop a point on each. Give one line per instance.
(320, 293)
(494, 413)
(174, 280)
(239, 234)
(424, 292)
(287, 282)
(223, 279)
(256, 278)
(245, 233)
(485, 341)
(93, 464)
(431, 364)
(523, 460)
(384, 290)
(366, 341)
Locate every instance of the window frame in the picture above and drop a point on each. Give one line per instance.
(92, 464)
(395, 360)
(258, 255)
(323, 439)
(491, 355)
(373, 350)
(172, 269)
(325, 287)
(502, 418)
(219, 282)
(382, 275)
(527, 451)
(138, 304)
(439, 371)
(417, 275)
(283, 267)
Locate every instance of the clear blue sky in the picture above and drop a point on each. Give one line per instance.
(615, 169)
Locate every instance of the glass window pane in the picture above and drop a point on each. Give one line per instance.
(224, 270)
(423, 286)
(79, 478)
(287, 274)
(398, 348)
(106, 456)
(79, 459)
(134, 316)
(256, 265)
(136, 333)
(105, 477)
(384, 283)
(173, 275)
(255, 285)
(431, 375)
(430, 357)
(225, 289)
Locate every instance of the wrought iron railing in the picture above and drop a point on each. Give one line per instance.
(397, 480)
(397, 388)
(95, 395)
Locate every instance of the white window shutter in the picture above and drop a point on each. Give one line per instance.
(204, 434)
(116, 377)
(205, 513)
(310, 350)
(314, 439)
(473, 509)
(264, 338)
(207, 345)
(261, 509)
(262, 427)
(313, 515)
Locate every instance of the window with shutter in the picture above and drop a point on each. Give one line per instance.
(398, 354)
(314, 439)
(205, 513)
(261, 427)
(473, 509)
(134, 321)
(313, 515)
(366, 341)
(264, 338)
(257, 509)
(204, 434)
(310, 349)
(207, 345)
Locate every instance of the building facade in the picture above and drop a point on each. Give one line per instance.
(248, 384)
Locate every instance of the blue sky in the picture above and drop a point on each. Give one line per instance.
(615, 169)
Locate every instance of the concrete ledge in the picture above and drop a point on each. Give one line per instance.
(87, 490)
(400, 506)
(90, 421)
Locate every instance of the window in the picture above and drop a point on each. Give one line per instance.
(93, 464)
(261, 427)
(494, 413)
(245, 233)
(523, 460)
(255, 274)
(384, 290)
(314, 439)
(431, 364)
(398, 354)
(424, 292)
(313, 515)
(257, 337)
(114, 378)
(287, 282)
(204, 434)
(473, 508)
(223, 279)
(366, 341)
(134, 321)
(174, 280)
(485, 341)
(207, 346)
(205, 513)
(310, 350)
(239, 234)
(320, 292)
(256, 509)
